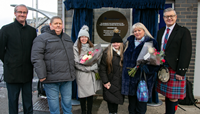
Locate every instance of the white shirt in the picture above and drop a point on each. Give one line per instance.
(137, 42)
(163, 37)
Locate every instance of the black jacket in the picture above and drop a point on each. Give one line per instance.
(178, 49)
(15, 52)
(112, 95)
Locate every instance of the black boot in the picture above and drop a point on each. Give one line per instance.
(89, 104)
(171, 107)
(83, 105)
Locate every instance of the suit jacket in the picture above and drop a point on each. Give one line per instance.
(178, 49)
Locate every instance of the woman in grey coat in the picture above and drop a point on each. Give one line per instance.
(85, 75)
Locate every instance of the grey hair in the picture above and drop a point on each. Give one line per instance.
(141, 26)
(20, 5)
(55, 17)
(169, 9)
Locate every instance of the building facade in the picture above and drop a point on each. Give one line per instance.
(187, 11)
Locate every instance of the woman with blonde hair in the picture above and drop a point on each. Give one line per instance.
(134, 45)
(111, 71)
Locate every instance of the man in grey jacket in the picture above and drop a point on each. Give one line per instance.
(53, 60)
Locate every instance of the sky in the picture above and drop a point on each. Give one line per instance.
(7, 11)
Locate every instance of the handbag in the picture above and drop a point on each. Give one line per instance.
(142, 90)
(163, 74)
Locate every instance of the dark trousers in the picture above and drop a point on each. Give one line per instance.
(136, 107)
(89, 105)
(13, 97)
(112, 107)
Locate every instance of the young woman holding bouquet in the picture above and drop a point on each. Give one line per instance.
(134, 44)
(85, 75)
(111, 72)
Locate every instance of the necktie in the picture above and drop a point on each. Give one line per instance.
(166, 37)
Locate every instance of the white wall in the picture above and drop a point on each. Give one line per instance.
(197, 58)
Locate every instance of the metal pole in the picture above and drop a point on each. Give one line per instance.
(36, 13)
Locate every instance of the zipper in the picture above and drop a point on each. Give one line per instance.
(67, 56)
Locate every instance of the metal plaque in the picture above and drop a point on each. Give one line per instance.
(110, 20)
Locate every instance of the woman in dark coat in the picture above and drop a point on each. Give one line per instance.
(134, 45)
(111, 71)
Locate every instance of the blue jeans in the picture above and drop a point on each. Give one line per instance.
(52, 93)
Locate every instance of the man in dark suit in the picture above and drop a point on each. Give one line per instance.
(175, 41)
(15, 52)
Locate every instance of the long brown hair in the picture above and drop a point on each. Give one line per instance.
(79, 45)
(110, 57)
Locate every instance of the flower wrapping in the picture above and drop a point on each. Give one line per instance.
(92, 57)
(148, 55)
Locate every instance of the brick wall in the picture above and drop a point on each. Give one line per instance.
(187, 16)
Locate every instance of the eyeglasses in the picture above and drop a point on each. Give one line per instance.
(20, 12)
(170, 16)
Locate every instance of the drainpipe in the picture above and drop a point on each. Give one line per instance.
(63, 15)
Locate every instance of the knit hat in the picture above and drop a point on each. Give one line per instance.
(84, 32)
(116, 37)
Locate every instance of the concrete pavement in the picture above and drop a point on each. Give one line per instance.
(99, 106)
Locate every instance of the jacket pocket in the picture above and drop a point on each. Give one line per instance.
(53, 40)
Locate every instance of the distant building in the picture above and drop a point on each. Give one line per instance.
(32, 22)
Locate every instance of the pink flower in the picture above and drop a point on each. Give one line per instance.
(86, 59)
(90, 52)
(82, 61)
(158, 53)
(155, 49)
(163, 60)
(96, 50)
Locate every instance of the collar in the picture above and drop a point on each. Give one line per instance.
(19, 24)
(53, 32)
(117, 51)
(139, 40)
(171, 27)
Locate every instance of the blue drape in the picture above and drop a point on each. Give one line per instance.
(81, 17)
(137, 4)
(149, 17)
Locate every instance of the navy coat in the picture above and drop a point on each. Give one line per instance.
(129, 84)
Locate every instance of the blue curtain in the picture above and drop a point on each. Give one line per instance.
(137, 4)
(149, 17)
(81, 17)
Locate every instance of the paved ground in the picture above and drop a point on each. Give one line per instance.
(99, 106)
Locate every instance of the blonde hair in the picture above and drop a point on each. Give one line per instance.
(141, 26)
(110, 57)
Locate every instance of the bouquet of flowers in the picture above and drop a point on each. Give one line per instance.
(92, 57)
(148, 55)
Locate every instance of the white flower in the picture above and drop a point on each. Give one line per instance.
(151, 50)
(90, 56)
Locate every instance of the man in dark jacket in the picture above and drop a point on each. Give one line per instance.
(53, 60)
(15, 52)
(176, 42)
